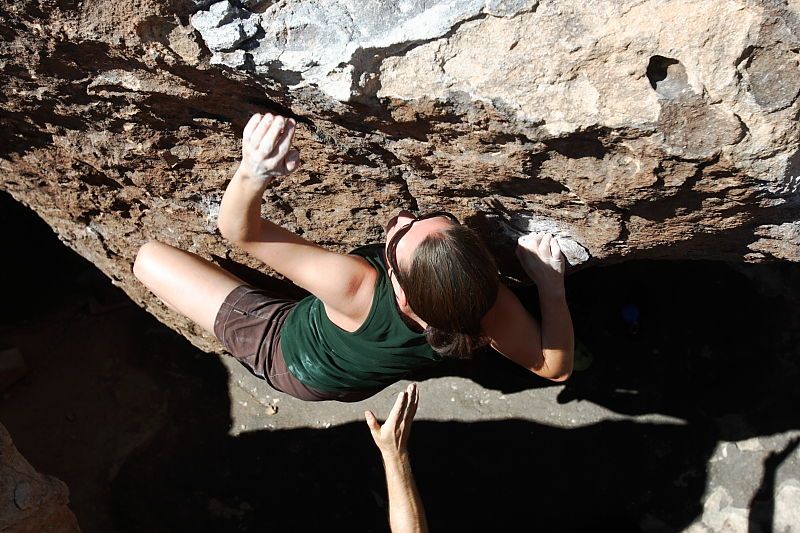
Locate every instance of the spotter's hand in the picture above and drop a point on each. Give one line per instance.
(392, 437)
(267, 147)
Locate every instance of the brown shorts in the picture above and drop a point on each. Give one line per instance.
(249, 324)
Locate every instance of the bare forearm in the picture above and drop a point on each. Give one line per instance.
(558, 341)
(406, 513)
(240, 212)
(285, 252)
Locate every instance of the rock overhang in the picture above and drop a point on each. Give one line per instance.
(634, 129)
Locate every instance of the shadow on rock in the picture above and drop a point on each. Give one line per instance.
(703, 346)
(691, 340)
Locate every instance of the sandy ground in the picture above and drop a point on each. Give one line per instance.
(686, 422)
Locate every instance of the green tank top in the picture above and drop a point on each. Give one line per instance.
(383, 350)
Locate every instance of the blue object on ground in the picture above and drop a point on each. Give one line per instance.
(630, 314)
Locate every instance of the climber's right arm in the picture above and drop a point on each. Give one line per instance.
(343, 282)
(545, 348)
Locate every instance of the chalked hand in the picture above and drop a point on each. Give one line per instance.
(541, 258)
(267, 147)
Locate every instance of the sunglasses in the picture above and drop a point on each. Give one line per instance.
(391, 248)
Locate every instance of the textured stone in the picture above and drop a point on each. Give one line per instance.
(217, 15)
(252, 4)
(224, 26)
(787, 507)
(774, 77)
(574, 252)
(236, 59)
(634, 129)
(781, 241)
(694, 130)
(720, 516)
(337, 45)
(29, 501)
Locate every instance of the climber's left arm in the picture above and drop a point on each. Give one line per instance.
(344, 283)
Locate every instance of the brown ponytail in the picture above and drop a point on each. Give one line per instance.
(451, 284)
(453, 344)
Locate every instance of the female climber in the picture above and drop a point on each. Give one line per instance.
(374, 315)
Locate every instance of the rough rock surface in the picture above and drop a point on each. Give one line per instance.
(635, 129)
(29, 501)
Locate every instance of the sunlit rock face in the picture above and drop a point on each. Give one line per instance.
(647, 129)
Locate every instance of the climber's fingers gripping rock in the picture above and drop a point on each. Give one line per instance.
(541, 258)
(267, 146)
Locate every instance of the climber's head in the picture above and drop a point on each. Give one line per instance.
(443, 273)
